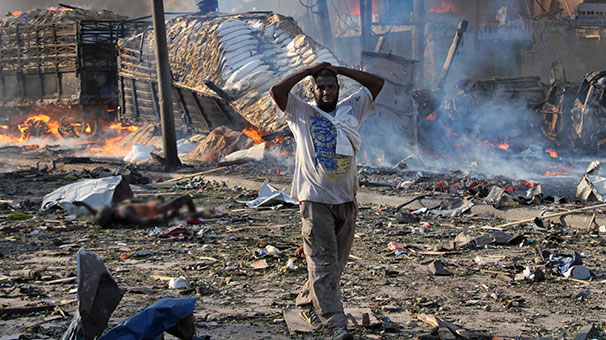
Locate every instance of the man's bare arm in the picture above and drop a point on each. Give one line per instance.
(279, 92)
(370, 81)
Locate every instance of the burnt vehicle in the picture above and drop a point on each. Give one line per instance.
(575, 113)
(58, 71)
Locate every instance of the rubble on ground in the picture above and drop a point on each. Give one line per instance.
(244, 268)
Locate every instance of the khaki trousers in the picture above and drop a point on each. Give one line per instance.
(328, 232)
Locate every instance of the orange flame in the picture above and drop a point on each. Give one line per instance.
(14, 14)
(552, 153)
(431, 117)
(451, 133)
(254, 134)
(528, 184)
(556, 173)
(442, 6)
(31, 147)
(58, 10)
(5, 127)
(41, 121)
(119, 126)
(503, 146)
(355, 9)
(111, 147)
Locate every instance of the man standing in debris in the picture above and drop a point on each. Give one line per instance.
(325, 181)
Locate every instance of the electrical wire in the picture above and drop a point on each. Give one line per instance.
(308, 6)
(351, 26)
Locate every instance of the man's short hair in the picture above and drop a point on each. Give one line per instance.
(324, 73)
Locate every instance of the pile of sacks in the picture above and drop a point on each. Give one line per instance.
(54, 15)
(241, 54)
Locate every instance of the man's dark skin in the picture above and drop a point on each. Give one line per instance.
(325, 88)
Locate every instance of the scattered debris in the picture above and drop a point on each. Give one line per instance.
(268, 196)
(178, 283)
(571, 266)
(98, 296)
(437, 268)
(592, 186)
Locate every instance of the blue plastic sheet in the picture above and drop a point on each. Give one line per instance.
(150, 323)
(564, 262)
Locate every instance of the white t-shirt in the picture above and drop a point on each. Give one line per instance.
(320, 174)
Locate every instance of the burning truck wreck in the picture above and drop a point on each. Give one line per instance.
(59, 72)
(478, 203)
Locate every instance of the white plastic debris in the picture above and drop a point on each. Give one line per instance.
(96, 192)
(592, 186)
(139, 152)
(269, 195)
(290, 265)
(271, 250)
(178, 283)
(254, 153)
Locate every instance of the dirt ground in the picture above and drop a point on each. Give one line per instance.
(236, 300)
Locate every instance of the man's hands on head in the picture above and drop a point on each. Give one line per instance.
(370, 81)
(317, 67)
(280, 90)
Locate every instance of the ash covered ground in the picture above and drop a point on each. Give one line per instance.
(236, 300)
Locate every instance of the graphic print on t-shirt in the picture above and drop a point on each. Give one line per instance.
(324, 137)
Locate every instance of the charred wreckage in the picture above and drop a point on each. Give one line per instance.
(60, 75)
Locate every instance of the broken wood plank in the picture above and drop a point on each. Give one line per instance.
(434, 321)
(26, 310)
(294, 322)
(573, 279)
(567, 6)
(161, 277)
(573, 211)
(64, 280)
(176, 179)
(353, 320)
(379, 44)
(591, 223)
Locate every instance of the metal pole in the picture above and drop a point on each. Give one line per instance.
(419, 40)
(476, 32)
(169, 138)
(365, 23)
(325, 24)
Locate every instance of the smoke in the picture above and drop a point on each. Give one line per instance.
(486, 130)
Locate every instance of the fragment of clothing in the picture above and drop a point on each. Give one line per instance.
(178, 233)
(348, 138)
(562, 262)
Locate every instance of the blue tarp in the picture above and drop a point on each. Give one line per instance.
(150, 323)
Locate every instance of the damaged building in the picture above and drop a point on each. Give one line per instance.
(478, 198)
